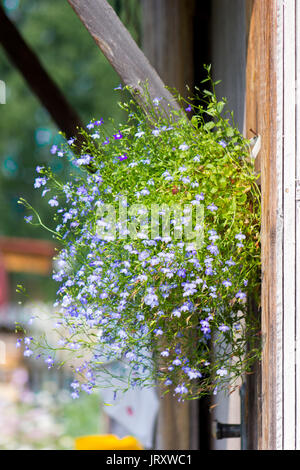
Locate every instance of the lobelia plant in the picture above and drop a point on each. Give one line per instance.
(159, 227)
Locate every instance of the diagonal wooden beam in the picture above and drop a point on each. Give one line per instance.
(37, 78)
(121, 50)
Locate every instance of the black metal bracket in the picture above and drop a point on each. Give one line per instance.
(224, 431)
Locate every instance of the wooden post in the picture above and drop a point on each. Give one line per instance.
(37, 78)
(168, 40)
(261, 115)
(122, 52)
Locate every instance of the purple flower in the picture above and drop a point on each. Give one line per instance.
(123, 157)
(158, 332)
(209, 271)
(222, 372)
(40, 182)
(165, 353)
(181, 272)
(188, 108)
(45, 192)
(176, 362)
(176, 313)
(53, 149)
(53, 202)
(156, 101)
(118, 136)
(75, 385)
(240, 236)
(83, 160)
(28, 352)
(213, 249)
(227, 283)
(222, 143)
(28, 340)
(213, 235)
(193, 374)
(183, 146)
(28, 218)
(49, 361)
(240, 295)
(224, 328)
(205, 327)
(181, 389)
(230, 262)
(212, 207)
(151, 299)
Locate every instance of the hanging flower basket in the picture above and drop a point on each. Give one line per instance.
(159, 223)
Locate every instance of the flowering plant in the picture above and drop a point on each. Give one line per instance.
(159, 226)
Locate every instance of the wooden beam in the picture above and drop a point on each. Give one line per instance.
(28, 246)
(27, 255)
(37, 78)
(27, 263)
(121, 50)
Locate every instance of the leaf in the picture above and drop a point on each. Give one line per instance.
(209, 125)
(220, 106)
(194, 121)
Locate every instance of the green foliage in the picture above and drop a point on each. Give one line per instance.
(124, 291)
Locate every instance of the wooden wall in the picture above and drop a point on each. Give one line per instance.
(266, 76)
(273, 68)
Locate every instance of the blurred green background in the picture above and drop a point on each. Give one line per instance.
(27, 132)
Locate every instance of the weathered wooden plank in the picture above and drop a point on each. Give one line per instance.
(261, 116)
(289, 294)
(37, 78)
(121, 50)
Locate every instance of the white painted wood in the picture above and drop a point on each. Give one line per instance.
(289, 173)
(279, 227)
(297, 225)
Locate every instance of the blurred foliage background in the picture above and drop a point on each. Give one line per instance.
(27, 132)
(46, 417)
